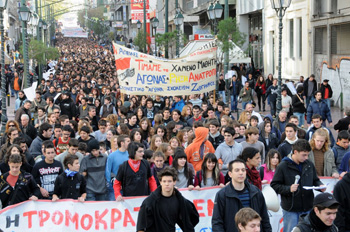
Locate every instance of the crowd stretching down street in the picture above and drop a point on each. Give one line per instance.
(81, 139)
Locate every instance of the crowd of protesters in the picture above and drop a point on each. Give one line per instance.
(81, 131)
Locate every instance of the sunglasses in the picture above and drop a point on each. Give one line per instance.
(12, 125)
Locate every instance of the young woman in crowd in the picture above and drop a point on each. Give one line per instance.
(267, 170)
(145, 127)
(159, 165)
(158, 120)
(182, 136)
(185, 170)
(226, 121)
(268, 138)
(210, 174)
(139, 114)
(168, 152)
(244, 117)
(15, 149)
(186, 113)
(260, 89)
(135, 136)
(122, 129)
(252, 159)
(155, 142)
(174, 143)
(162, 132)
(171, 130)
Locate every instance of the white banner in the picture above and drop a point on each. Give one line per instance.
(143, 74)
(69, 215)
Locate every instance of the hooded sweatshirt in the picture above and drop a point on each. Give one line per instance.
(200, 146)
(228, 153)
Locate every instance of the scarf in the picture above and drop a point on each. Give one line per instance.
(70, 173)
(254, 177)
(317, 223)
(134, 164)
(290, 141)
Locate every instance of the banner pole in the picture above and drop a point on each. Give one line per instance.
(214, 96)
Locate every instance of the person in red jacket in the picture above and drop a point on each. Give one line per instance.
(260, 89)
(134, 176)
(199, 148)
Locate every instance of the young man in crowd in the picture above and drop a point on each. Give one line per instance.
(93, 168)
(46, 171)
(196, 116)
(83, 109)
(166, 116)
(72, 149)
(215, 137)
(321, 217)
(108, 108)
(166, 207)
(132, 120)
(319, 106)
(341, 147)
(248, 220)
(343, 123)
(228, 150)
(317, 123)
(101, 133)
(310, 87)
(61, 143)
(252, 140)
(85, 135)
(45, 133)
(341, 194)
(236, 195)
(285, 148)
(114, 160)
(292, 174)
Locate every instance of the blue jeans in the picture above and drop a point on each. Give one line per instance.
(290, 220)
(233, 102)
(223, 95)
(301, 118)
(96, 197)
(328, 101)
(111, 196)
(308, 100)
(244, 104)
(273, 107)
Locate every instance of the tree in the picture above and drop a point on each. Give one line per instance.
(38, 51)
(168, 39)
(141, 41)
(91, 13)
(229, 32)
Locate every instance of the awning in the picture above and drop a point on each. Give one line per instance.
(191, 47)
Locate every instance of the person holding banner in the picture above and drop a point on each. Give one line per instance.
(235, 196)
(166, 207)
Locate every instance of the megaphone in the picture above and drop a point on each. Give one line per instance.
(271, 198)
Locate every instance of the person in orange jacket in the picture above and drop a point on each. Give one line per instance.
(198, 149)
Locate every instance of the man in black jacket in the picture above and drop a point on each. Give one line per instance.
(295, 200)
(67, 106)
(341, 193)
(321, 217)
(327, 92)
(343, 124)
(310, 87)
(166, 207)
(236, 195)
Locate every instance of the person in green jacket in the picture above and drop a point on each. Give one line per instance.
(246, 94)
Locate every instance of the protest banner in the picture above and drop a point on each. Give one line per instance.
(69, 215)
(142, 74)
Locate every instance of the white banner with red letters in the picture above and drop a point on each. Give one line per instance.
(69, 215)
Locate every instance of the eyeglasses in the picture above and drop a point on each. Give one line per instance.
(12, 125)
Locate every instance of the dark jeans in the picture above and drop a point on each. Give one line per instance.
(233, 102)
(273, 107)
(90, 196)
(261, 98)
(308, 100)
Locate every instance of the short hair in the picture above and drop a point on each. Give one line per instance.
(245, 215)
(321, 207)
(158, 154)
(250, 131)
(312, 75)
(214, 122)
(210, 108)
(254, 117)
(318, 91)
(44, 127)
(196, 107)
(63, 118)
(301, 145)
(149, 100)
(248, 153)
(82, 146)
(102, 144)
(48, 144)
(316, 116)
(15, 158)
(292, 125)
(347, 111)
(69, 159)
(230, 165)
(293, 116)
(42, 108)
(85, 129)
(148, 154)
(19, 140)
(92, 108)
(25, 116)
(168, 171)
(132, 148)
(66, 128)
(73, 142)
(230, 130)
(121, 139)
(344, 134)
(58, 126)
(129, 116)
(102, 122)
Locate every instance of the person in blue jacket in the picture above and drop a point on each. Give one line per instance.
(319, 106)
(178, 103)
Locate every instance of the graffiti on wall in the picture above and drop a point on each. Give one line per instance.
(339, 79)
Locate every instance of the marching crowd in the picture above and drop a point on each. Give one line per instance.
(80, 138)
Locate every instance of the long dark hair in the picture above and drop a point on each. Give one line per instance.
(180, 153)
(216, 173)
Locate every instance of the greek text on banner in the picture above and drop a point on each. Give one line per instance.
(142, 74)
(69, 215)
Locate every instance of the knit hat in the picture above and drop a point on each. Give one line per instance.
(93, 144)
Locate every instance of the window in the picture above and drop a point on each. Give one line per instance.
(320, 40)
(291, 38)
(339, 39)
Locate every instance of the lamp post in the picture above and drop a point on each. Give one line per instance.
(44, 28)
(139, 24)
(25, 17)
(3, 4)
(214, 14)
(125, 26)
(280, 6)
(155, 23)
(178, 20)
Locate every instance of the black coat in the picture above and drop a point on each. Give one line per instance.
(273, 142)
(68, 108)
(341, 193)
(298, 106)
(342, 124)
(31, 131)
(302, 199)
(305, 225)
(149, 215)
(69, 187)
(323, 90)
(227, 204)
(306, 87)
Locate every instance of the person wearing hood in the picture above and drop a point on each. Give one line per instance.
(20, 100)
(341, 147)
(199, 148)
(166, 207)
(341, 194)
(295, 200)
(285, 148)
(228, 150)
(322, 217)
(67, 106)
(178, 103)
(214, 134)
